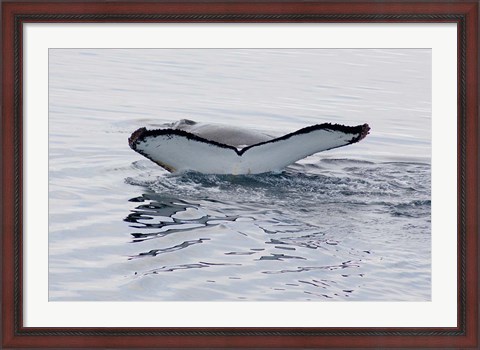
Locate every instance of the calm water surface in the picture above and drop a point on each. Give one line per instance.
(346, 224)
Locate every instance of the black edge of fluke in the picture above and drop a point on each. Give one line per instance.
(359, 132)
(142, 133)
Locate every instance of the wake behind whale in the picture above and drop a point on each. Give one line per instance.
(216, 149)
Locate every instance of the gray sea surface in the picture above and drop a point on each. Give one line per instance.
(346, 224)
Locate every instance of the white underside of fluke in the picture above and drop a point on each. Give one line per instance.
(181, 151)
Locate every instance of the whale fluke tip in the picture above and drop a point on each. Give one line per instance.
(135, 136)
(365, 131)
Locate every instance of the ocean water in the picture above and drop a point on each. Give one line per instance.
(350, 224)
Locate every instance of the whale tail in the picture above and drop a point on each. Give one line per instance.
(179, 150)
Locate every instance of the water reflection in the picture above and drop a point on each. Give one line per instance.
(199, 265)
(167, 215)
(312, 233)
(155, 252)
(239, 246)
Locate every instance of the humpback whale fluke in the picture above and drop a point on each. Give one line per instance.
(216, 149)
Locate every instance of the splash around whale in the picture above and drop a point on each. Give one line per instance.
(219, 149)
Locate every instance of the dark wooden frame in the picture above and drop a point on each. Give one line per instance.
(464, 13)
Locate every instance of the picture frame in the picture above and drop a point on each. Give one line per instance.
(16, 14)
